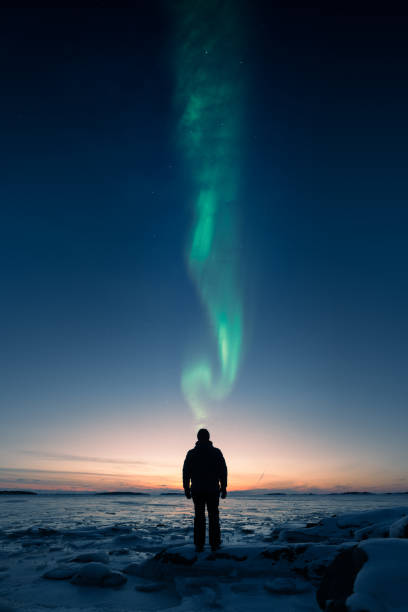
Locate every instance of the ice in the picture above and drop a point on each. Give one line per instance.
(287, 586)
(357, 519)
(92, 574)
(150, 587)
(100, 557)
(114, 579)
(120, 551)
(399, 529)
(63, 572)
(58, 551)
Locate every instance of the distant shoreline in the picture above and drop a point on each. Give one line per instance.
(181, 494)
(120, 493)
(18, 493)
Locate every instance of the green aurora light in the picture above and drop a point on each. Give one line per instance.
(209, 92)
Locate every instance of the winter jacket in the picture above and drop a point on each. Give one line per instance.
(205, 467)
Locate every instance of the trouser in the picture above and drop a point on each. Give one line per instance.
(211, 500)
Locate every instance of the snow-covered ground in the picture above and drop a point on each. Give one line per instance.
(285, 554)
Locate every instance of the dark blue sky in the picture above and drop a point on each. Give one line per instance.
(97, 306)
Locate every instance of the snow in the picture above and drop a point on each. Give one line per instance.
(382, 583)
(91, 574)
(399, 529)
(90, 556)
(100, 557)
(63, 572)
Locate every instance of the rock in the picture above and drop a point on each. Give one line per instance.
(365, 603)
(120, 551)
(399, 529)
(285, 586)
(176, 558)
(286, 553)
(6, 607)
(116, 530)
(381, 585)
(338, 580)
(224, 555)
(336, 606)
(372, 531)
(47, 531)
(97, 574)
(63, 572)
(33, 531)
(133, 569)
(32, 543)
(243, 587)
(91, 574)
(99, 557)
(115, 579)
(298, 535)
(41, 566)
(130, 539)
(151, 587)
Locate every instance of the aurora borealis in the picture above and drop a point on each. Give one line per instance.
(209, 92)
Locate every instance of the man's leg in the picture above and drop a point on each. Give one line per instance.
(199, 521)
(214, 520)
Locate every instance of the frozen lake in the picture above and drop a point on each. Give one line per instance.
(57, 551)
(259, 513)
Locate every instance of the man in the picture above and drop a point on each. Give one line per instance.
(205, 468)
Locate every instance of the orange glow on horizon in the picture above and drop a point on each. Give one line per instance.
(142, 455)
(71, 481)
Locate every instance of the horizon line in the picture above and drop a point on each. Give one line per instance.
(173, 490)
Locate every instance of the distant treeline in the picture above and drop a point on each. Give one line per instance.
(18, 493)
(346, 493)
(121, 493)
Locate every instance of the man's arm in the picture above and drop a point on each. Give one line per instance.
(223, 476)
(187, 475)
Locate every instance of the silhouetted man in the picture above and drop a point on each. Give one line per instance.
(205, 467)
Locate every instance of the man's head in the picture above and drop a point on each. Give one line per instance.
(203, 435)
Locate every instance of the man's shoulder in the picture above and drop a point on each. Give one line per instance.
(198, 451)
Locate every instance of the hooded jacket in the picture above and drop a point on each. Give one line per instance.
(205, 466)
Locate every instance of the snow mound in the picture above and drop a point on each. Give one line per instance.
(97, 574)
(286, 586)
(99, 557)
(338, 580)
(151, 587)
(399, 529)
(306, 562)
(133, 569)
(350, 526)
(369, 577)
(382, 583)
(370, 517)
(115, 579)
(63, 572)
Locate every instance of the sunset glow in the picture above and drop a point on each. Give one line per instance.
(109, 456)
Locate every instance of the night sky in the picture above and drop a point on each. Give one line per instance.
(103, 309)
